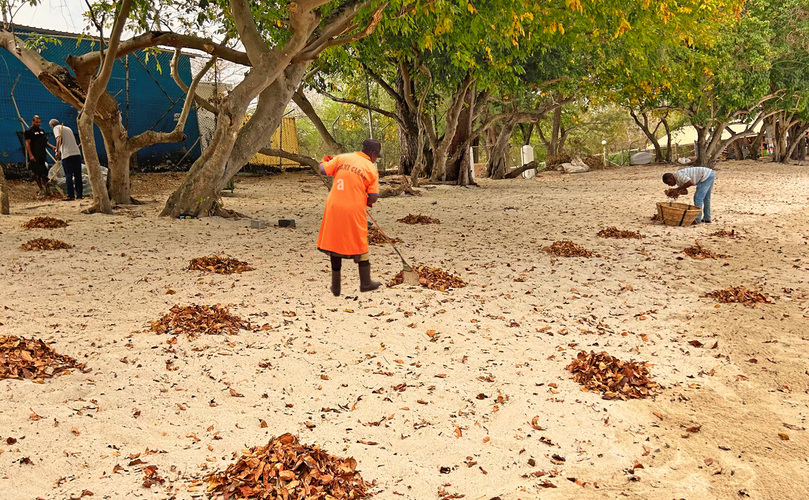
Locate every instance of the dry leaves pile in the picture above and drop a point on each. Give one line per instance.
(699, 252)
(614, 232)
(219, 265)
(285, 469)
(44, 223)
(567, 248)
(612, 377)
(32, 359)
(375, 237)
(722, 233)
(432, 278)
(199, 320)
(45, 244)
(739, 294)
(418, 219)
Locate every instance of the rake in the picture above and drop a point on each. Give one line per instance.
(409, 275)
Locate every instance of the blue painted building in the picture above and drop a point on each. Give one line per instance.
(141, 82)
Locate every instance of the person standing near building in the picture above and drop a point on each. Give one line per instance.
(344, 229)
(68, 151)
(700, 177)
(36, 141)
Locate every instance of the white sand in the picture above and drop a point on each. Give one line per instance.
(340, 363)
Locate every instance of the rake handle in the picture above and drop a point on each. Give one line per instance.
(408, 266)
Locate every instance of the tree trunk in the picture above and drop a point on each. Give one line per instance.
(498, 164)
(668, 141)
(645, 127)
(556, 126)
(4, 209)
(797, 147)
(702, 146)
(232, 145)
(458, 168)
(441, 147)
(408, 124)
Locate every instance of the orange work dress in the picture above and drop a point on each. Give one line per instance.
(344, 229)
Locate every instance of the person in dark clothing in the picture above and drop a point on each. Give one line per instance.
(36, 141)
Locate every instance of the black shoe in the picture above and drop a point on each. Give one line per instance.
(68, 198)
(706, 221)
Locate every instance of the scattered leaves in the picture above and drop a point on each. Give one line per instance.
(612, 377)
(219, 265)
(738, 294)
(567, 248)
(28, 359)
(614, 232)
(722, 233)
(699, 252)
(286, 469)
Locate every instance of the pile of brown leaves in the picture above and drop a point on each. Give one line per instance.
(739, 294)
(725, 234)
(596, 162)
(613, 378)
(45, 244)
(219, 265)
(432, 278)
(285, 469)
(375, 237)
(614, 232)
(32, 359)
(567, 248)
(44, 223)
(199, 320)
(699, 252)
(556, 160)
(418, 219)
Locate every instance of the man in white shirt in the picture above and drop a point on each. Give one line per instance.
(702, 178)
(68, 151)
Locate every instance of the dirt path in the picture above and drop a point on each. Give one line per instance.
(426, 415)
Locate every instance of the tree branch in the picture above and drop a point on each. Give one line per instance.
(359, 104)
(175, 74)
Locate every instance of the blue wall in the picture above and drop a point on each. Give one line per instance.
(152, 93)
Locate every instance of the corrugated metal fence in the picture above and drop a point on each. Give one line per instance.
(141, 82)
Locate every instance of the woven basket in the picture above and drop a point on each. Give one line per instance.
(677, 214)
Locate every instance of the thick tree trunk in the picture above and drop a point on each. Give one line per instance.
(232, 146)
(458, 168)
(4, 209)
(498, 164)
(797, 142)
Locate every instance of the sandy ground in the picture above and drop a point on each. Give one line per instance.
(425, 417)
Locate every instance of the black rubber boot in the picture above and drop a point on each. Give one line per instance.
(335, 283)
(366, 285)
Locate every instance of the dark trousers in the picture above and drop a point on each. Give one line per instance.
(72, 168)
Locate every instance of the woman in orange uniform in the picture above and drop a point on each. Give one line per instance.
(344, 230)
